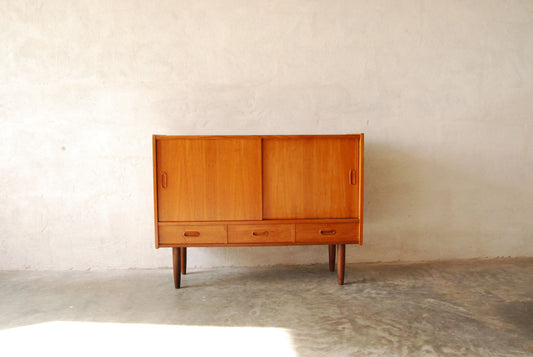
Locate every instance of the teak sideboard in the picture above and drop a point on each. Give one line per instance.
(234, 191)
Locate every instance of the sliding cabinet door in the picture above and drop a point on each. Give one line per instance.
(209, 179)
(310, 177)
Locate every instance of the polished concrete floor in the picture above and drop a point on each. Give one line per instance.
(457, 308)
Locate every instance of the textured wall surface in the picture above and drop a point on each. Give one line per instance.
(443, 91)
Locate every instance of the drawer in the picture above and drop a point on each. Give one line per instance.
(214, 234)
(261, 233)
(327, 233)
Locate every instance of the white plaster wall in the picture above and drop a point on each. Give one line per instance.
(442, 89)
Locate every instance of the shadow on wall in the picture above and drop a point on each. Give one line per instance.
(439, 205)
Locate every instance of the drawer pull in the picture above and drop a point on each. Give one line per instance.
(256, 234)
(191, 234)
(330, 232)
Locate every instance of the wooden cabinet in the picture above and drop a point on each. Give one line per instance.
(258, 191)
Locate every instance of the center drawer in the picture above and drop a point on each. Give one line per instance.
(208, 234)
(261, 233)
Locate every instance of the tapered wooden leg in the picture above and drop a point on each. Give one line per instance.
(176, 265)
(341, 255)
(331, 248)
(184, 261)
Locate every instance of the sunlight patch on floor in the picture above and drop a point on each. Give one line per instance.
(74, 338)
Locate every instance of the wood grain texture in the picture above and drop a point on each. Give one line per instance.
(341, 258)
(209, 179)
(184, 261)
(265, 221)
(228, 191)
(176, 234)
(176, 266)
(327, 233)
(156, 215)
(255, 234)
(310, 177)
(361, 184)
(331, 251)
(218, 137)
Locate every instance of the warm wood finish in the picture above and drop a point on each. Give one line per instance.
(361, 185)
(202, 179)
(176, 265)
(331, 249)
(236, 191)
(327, 233)
(260, 233)
(184, 261)
(264, 222)
(341, 256)
(156, 211)
(175, 234)
(311, 177)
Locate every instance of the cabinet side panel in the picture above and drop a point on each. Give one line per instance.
(154, 164)
(361, 184)
(311, 177)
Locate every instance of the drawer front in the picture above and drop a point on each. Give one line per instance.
(215, 234)
(327, 233)
(261, 233)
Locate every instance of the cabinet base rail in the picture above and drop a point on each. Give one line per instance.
(337, 254)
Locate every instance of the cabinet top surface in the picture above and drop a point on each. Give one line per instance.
(163, 137)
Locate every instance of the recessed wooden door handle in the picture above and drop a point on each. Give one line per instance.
(265, 233)
(328, 232)
(191, 234)
(353, 177)
(164, 180)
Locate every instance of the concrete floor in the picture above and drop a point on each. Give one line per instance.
(460, 308)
